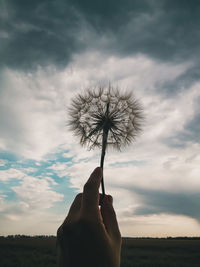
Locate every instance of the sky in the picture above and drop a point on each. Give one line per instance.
(50, 51)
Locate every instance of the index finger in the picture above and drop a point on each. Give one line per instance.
(90, 201)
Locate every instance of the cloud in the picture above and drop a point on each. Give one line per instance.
(31, 109)
(162, 225)
(38, 33)
(156, 202)
(2, 202)
(29, 169)
(47, 33)
(191, 129)
(3, 162)
(34, 193)
(59, 168)
(6, 175)
(27, 204)
(37, 193)
(51, 180)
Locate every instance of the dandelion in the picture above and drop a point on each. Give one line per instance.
(105, 117)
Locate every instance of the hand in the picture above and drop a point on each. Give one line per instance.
(90, 236)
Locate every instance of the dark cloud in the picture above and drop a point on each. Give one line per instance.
(168, 32)
(157, 202)
(50, 32)
(183, 81)
(38, 33)
(190, 133)
(111, 15)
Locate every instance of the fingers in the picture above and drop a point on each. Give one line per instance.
(90, 199)
(109, 217)
(74, 209)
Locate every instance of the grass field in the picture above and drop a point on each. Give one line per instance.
(41, 252)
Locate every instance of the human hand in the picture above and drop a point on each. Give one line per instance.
(90, 236)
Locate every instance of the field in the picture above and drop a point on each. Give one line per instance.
(41, 252)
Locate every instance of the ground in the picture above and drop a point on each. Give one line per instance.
(41, 252)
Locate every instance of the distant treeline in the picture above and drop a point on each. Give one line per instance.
(169, 237)
(53, 236)
(27, 236)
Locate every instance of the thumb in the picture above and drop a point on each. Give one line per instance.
(109, 217)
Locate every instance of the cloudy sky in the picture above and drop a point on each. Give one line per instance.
(49, 51)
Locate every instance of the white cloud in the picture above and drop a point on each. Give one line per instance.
(3, 162)
(162, 225)
(32, 114)
(29, 169)
(29, 213)
(40, 223)
(8, 174)
(58, 166)
(37, 193)
(2, 202)
(51, 180)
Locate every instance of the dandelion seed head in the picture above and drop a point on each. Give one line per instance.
(105, 109)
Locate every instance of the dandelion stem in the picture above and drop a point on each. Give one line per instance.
(103, 152)
(104, 144)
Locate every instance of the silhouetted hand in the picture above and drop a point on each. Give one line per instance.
(90, 236)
